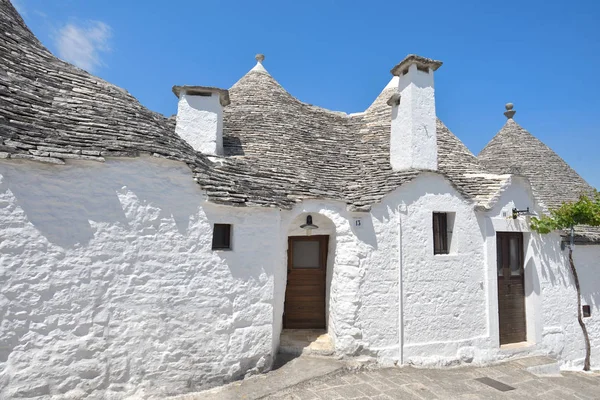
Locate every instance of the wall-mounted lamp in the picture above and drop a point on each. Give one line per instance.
(309, 226)
(526, 213)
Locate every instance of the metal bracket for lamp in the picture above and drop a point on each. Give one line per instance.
(516, 213)
(309, 226)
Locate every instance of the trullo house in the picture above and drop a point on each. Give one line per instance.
(139, 252)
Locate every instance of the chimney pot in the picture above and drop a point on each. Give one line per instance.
(200, 117)
(413, 140)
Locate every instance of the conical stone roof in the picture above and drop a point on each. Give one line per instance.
(279, 150)
(51, 110)
(515, 150)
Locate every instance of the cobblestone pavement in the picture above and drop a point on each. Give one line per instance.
(456, 383)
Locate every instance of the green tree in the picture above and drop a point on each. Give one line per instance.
(585, 211)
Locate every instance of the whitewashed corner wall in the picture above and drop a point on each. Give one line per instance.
(107, 276)
(587, 262)
(551, 300)
(348, 248)
(443, 301)
(413, 139)
(200, 122)
(108, 284)
(560, 334)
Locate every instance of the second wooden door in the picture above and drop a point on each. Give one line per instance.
(511, 287)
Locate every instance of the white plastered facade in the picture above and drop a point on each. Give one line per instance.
(107, 274)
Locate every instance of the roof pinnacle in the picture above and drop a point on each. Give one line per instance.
(509, 113)
(259, 67)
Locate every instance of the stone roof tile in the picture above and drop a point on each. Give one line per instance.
(553, 181)
(278, 150)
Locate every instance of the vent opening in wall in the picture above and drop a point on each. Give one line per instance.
(201, 93)
(423, 69)
(587, 311)
(221, 237)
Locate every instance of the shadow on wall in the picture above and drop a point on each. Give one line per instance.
(532, 278)
(547, 247)
(62, 201)
(586, 261)
(366, 231)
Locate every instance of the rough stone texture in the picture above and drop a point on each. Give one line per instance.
(456, 383)
(200, 122)
(551, 300)
(422, 62)
(294, 372)
(515, 150)
(413, 139)
(51, 111)
(332, 155)
(108, 276)
(291, 150)
(439, 289)
(108, 284)
(345, 272)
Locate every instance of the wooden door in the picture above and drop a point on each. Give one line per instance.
(305, 292)
(511, 287)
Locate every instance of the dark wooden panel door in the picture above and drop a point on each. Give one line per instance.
(305, 292)
(511, 287)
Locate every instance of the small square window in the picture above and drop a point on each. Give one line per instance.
(587, 311)
(440, 233)
(221, 237)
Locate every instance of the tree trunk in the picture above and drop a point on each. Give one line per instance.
(586, 363)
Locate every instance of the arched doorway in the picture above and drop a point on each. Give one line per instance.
(309, 264)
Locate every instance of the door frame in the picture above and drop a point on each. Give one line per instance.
(323, 255)
(521, 256)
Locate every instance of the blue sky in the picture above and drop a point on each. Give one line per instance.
(541, 55)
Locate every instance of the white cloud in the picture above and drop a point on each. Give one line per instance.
(84, 44)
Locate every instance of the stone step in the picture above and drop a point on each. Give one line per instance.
(541, 366)
(306, 342)
(293, 372)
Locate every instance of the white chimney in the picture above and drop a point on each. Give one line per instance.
(200, 117)
(413, 141)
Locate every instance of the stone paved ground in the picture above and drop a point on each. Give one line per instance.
(458, 383)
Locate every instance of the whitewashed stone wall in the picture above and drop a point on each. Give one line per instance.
(560, 334)
(587, 262)
(445, 311)
(347, 250)
(442, 296)
(551, 300)
(200, 122)
(108, 285)
(413, 138)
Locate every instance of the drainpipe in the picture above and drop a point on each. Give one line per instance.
(401, 209)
